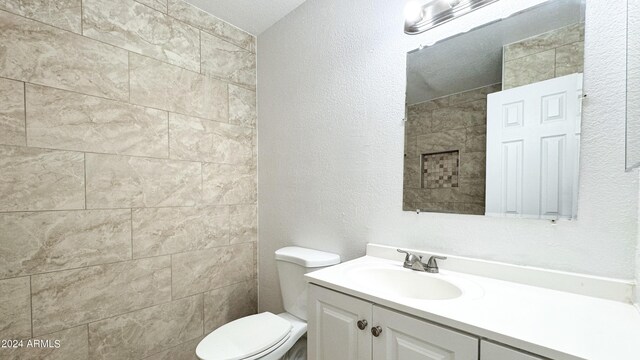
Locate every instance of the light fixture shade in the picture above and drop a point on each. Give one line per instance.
(437, 12)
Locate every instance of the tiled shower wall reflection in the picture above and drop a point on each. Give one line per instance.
(128, 177)
(456, 122)
(553, 54)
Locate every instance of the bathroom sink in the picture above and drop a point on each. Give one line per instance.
(405, 283)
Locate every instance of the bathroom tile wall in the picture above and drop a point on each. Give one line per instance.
(553, 54)
(128, 221)
(454, 122)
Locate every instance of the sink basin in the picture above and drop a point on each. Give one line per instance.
(405, 283)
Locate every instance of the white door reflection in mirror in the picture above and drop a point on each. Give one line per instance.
(533, 144)
(534, 60)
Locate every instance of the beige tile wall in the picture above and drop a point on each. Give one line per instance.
(128, 220)
(546, 56)
(454, 122)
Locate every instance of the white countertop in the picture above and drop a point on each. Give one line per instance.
(551, 323)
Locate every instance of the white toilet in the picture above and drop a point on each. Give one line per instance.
(267, 336)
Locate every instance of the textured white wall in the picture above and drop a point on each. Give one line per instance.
(638, 260)
(331, 103)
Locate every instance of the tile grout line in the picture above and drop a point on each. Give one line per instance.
(128, 260)
(84, 155)
(42, 22)
(136, 104)
(203, 327)
(125, 208)
(198, 27)
(229, 110)
(129, 312)
(65, 329)
(229, 223)
(151, 158)
(31, 303)
(82, 18)
(146, 307)
(24, 89)
(212, 16)
(129, 74)
(203, 74)
(152, 8)
(119, 155)
(249, 48)
(556, 46)
(131, 233)
(88, 342)
(81, 34)
(249, 279)
(105, 209)
(151, 306)
(173, 347)
(221, 38)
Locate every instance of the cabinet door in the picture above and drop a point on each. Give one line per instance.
(333, 332)
(406, 338)
(491, 351)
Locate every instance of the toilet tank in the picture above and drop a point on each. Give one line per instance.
(293, 262)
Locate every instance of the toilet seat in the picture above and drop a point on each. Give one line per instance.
(244, 339)
(269, 350)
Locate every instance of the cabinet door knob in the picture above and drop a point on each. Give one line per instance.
(376, 331)
(362, 324)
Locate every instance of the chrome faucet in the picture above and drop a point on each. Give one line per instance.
(414, 262)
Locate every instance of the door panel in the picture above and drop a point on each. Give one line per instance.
(333, 332)
(512, 173)
(406, 338)
(551, 177)
(533, 140)
(491, 351)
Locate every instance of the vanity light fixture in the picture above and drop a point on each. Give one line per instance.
(422, 17)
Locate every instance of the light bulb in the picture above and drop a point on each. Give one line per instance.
(412, 12)
(454, 3)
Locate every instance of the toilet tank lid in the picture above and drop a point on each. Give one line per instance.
(307, 257)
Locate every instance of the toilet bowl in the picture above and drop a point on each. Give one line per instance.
(267, 336)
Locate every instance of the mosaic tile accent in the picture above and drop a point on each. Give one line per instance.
(454, 122)
(440, 170)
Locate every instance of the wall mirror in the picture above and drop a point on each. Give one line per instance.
(633, 84)
(493, 117)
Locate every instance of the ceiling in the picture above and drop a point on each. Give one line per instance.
(474, 59)
(252, 16)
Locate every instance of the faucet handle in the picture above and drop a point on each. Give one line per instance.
(432, 259)
(408, 255)
(404, 252)
(411, 260)
(432, 264)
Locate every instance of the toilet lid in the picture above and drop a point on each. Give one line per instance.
(244, 337)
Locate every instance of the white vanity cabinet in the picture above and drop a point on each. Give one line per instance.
(419, 315)
(407, 338)
(344, 327)
(491, 351)
(333, 331)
